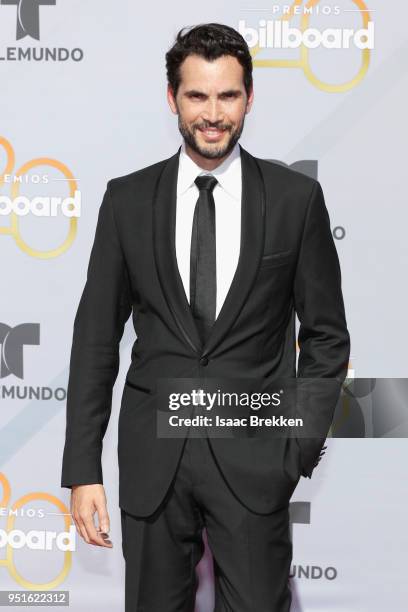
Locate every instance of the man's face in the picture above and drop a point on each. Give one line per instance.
(211, 104)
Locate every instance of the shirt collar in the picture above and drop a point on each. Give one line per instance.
(228, 173)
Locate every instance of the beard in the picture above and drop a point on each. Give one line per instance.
(210, 152)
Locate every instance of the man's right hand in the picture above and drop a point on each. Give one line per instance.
(85, 500)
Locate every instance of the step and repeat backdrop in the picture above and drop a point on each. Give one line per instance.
(84, 100)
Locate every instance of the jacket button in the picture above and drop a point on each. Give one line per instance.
(204, 361)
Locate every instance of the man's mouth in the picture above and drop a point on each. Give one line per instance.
(212, 133)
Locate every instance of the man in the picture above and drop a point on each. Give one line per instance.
(214, 251)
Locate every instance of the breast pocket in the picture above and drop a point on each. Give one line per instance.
(278, 258)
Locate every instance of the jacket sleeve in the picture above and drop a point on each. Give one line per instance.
(323, 338)
(104, 307)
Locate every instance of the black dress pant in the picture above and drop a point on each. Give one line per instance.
(252, 553)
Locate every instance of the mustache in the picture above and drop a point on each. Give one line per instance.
(208, 124)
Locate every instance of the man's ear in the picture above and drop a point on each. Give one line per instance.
(171, 98)
(250, 100)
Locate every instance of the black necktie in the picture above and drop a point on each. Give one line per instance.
(203, 273)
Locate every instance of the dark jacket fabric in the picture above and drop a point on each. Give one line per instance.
(288, 264)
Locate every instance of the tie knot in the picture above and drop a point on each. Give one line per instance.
(206, 182)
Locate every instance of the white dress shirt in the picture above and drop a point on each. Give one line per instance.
(227, 198)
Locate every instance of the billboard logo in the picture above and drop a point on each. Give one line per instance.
(285, 43)
(280, 35)
(15, 537)
(15, 206)
(41, 206)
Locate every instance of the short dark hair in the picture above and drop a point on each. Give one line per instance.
(211, 41)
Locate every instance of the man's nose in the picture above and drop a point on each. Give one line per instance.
(213, 111)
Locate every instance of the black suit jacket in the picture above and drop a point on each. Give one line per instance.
(288, 262)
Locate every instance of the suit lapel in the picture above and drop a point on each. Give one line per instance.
(252, 242)
(164, 229)
(252, 245)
